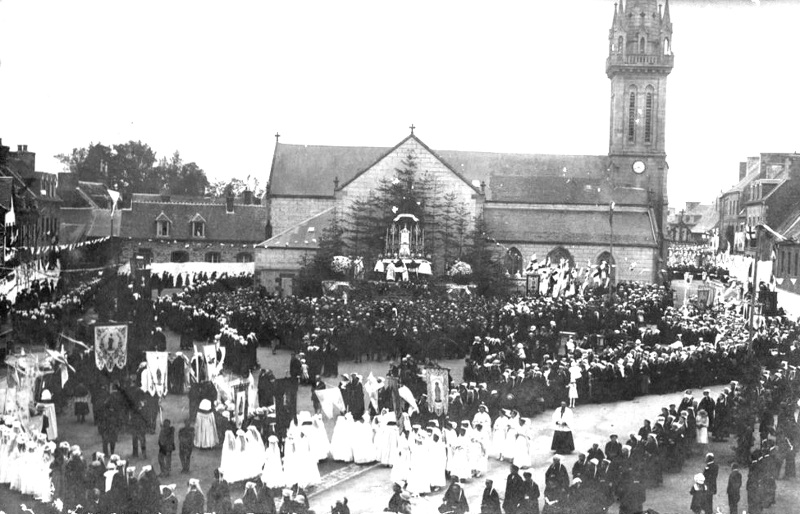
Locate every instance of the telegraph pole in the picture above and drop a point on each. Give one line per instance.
(754, 292)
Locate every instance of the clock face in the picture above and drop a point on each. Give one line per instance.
(638, 167)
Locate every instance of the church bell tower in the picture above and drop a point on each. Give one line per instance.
(639, 61)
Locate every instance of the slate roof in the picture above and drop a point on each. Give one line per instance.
(303, 170)
(302, 236)
(709, 220)
(562, 190)
(790, 228)
(555, 226)
(245, 224)
(80, 224)
(97, 193)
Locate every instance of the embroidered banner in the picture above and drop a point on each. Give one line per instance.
(438, 387)
(157, 363)
(110, 346)
(210, 354)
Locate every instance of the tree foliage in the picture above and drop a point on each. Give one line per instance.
(132, 167)
(488, 272)
(317, 267)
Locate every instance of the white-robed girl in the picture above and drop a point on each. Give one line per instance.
(521, 457)
(460, 465)
(341, 441)
(44, 484)
(255, 451)
(437, 459)
(499, 435)
(511, 436)
(479, 454)
(363, 442)
(401, 460)
(418, 479)
(307, 462)
(386, 440)
(272, 473)
(227, 461)
(291, 461)
(322, 445)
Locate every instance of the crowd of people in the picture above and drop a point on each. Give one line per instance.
(522, 356)
(698, 261)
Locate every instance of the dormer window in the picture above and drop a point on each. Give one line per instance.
(163, 225)
(198, 226)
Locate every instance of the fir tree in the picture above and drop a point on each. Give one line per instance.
(488, 273)
(317, 267)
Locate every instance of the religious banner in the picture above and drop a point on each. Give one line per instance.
(157, 363)
(240, 402)
(110, 346)
(438, 381)
(210, 355)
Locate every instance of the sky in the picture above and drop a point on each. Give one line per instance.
(217, 80)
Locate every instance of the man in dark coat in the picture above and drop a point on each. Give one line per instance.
(195, 501)
(455, 500)
(166, 445)
(219, 495)
(295, 367)
(318, 385)
(490, 503)
(710, 473)
(185, 445)
(613, 448)
(397, 503)
(515, 491)
(530, 499)
(734, 488)
(632, 498)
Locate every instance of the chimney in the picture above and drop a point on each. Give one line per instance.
(166, 195)
(742, 170)
(247, 196)
(229, 203)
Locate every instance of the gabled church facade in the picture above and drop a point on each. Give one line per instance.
(586, 209)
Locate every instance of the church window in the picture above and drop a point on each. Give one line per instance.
(632, 117)
(641, 45)
(648, 118)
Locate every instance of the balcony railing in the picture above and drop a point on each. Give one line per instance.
(655, 60)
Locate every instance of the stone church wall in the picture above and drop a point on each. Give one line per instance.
(446, 181)
(274, 263)
(287, 212)
(584, 254)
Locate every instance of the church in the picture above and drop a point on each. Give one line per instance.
(583, 208)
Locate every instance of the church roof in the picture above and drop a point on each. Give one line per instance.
(309, 171)
(304, 236)
(555, 226)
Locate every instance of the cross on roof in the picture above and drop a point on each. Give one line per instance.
(412, 127)
(277, 136)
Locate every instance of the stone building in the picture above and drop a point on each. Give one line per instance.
(583, 208)
(166, 228)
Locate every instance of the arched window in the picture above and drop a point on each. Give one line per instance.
(667, 50)
(648, 117)
(513, 262)
(213, 257)
(558, 253)
(244, 257)
(179, 256)
(620, 43)
(641, 45)
(632, 116)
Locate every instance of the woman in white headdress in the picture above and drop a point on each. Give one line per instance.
(479, 450)
(205, 435)
(341, 441)
(272, 473)
(363, 442)
(511, 435)
(499, 434)
(255, 451)
(401, 460)
(43, 482)
(242, 459)
(17, 461)
(460, 465)
(228, 459)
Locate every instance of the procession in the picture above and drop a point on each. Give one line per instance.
(521, 373)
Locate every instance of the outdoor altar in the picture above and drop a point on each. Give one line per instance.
(404, 253)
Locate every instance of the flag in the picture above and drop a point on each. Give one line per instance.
(11, 217)
(408, 396)
(330, 399)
